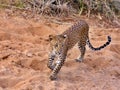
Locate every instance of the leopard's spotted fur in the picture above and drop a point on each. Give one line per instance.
(60, 44)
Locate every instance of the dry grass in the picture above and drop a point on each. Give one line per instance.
(58, 8)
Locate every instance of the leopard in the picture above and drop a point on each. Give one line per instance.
(60, 44)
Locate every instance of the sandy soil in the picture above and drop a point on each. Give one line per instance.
(24, 54)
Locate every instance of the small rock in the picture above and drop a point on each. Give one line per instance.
(29, 54)
(1, 88)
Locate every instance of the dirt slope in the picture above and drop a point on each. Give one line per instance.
(24, 54)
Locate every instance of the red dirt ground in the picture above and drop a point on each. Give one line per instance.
(24, 54)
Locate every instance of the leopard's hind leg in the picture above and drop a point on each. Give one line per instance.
(82, 48)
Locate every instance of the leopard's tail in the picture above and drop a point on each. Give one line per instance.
(101, 47)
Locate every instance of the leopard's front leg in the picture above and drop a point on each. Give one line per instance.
(57, 68)
(50, 61)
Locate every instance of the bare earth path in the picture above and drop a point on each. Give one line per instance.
(24, 54)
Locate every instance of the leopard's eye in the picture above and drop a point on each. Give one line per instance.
(56, 45)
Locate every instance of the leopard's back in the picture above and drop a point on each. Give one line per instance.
(76, 32)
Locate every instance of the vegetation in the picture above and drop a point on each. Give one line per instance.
(110, 9)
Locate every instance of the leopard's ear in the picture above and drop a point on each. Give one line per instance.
(64, 36)
(51, 37)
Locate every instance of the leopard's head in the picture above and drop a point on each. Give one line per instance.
(57, 43)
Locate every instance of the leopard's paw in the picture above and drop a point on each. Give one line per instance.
(53, 77)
